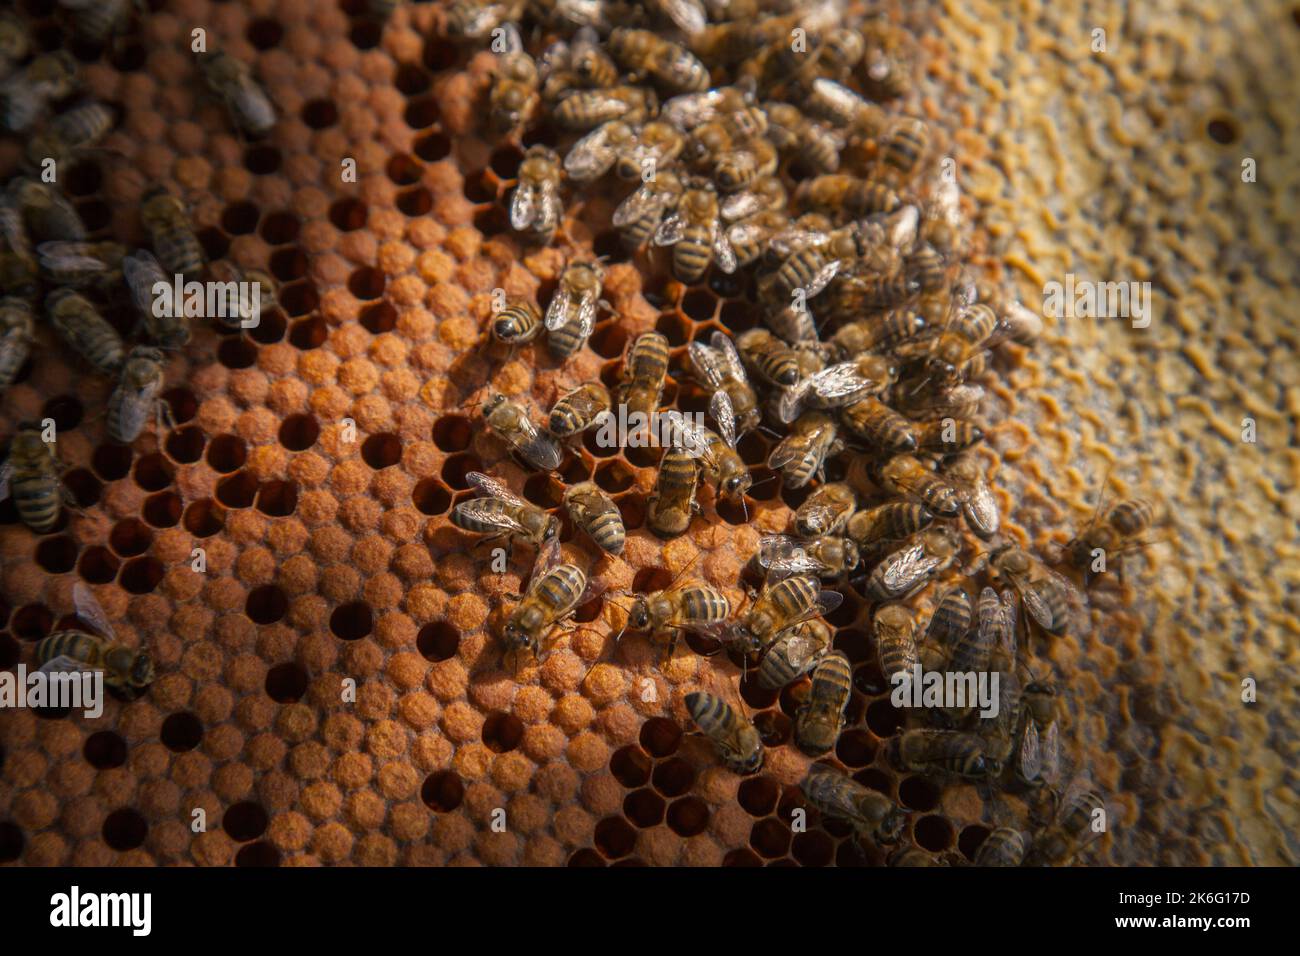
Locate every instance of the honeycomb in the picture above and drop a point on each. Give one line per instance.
(329, 559)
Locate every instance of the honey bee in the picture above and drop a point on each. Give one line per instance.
(697, 235)
(15, 42)
(842, 194)
(644, 53)
(639, 215)
(720, 463)
(895, 631)
(644, 374)
(1046, 595)
(949, 357)
(672, 504)
(888, 522)
(82, 265)
(514, 96)
(584, 110)
(656, 145)
(477, 18)
(18, 269)
(736, 740)
(1003, 847)
(689, 16)
(973, 649)
(901, 150)
(233, 308)
(928, 268)
(905, 475)
(877, 334)
(948, 436)
(232, 80)
(978, 506)
(1019, 324)
(680, 608)
(509, 422)
(826, 511)
(879, 424)
(794, 653)
(518, 323)
(28, 94)
(1081, 816)
(1038, 759)
(82, 327)
(597, 152)
(801, 455)
(1114, 536)
(69, 134)
(766, 194)
(840, 797)
(137, 395)
(768, 357)
(923, 750)
(733, 163)
(535, 206)
(582, 63)
(731, 105)
(578, 410)
(842, 384)
(551, 597)
(951, 618)
(820, 719)
(499, 513)
(810, 143)
(46, 212)
(854, 294)
(127, 672)
(571, 315)
(168, 225)
(910, 568)
(783, 604)
(956, 401)
(17, 333)
(31, 476)
(142, 272)
(593, 511)
(842, 107)
(719, 367)
(826, 556)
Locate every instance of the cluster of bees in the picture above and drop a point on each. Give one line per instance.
(53, 270)
(758, 136)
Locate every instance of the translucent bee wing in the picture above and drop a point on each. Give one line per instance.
(644, 200)
(68, 257)
(724, 414)
(802, 651)
(587, 309)
(689, 436)
(789, 241)
(523, 207)
(88, 609)
(723, 254)
(1037, 608)
(479, 511)
(688, 15)
(670, 231)
(554, 58)
(790, 404)
(839, 382)
(551, 209)
(743, 232)
(785, 452)
(63, 664)
(557, 313)
(741, 205)
(1051, 754)
(823, 278)
(1030, 756)
(907, 568)
(590, 156)
(706, 364)
(981, 511)
(491, 488)
(827, 601)
(783, 556)
(730, 358)
(539, 449)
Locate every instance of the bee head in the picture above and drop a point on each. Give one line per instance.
(735, 486)
(638, 619)
(142, 672)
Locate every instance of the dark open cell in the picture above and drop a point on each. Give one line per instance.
(84, 178)
(379, 318)
(615, 837)
(286, 683)
(660, 737)
(348, 214)
(366, 283)
(632, 508)
(265, 33)
(352, 621)
(124, 829)
(421, 113)
(586, 613)
(644, 457)
(308, 334)
(455, 468)
(609, 340)
(84, 486)
(141, 575)
(215, 243)
(288, 264)
(876, 780)
(130, 537)
(610, 247)
(153, 472)
(674, 777)
(812, 848)
(732, 512)
(266, 604)
(614, 476)
(688, 816)
(430, 496)
(57, 555)
(185, 445)
(502, 732)
(478, 188)
(320, 113)
(452, 433)
(738, 316)
(111, 462)
(299, 432)
(411, 80)
(970, 839)
(204, 518)
(770, 837)
(630, 766)
(104, 750)
(442, 791)
(645, 808)
(855, 748)
(10, 652)
(699, 304)
(244, 821)
(96, 214)
(240, 218)
(586, 857)
(438, 641)
(259, 854)
(98, 565)
(280, 227)
(433, 146)
(415, 202)
(918, 793)
(277, 498)
(262, 160)
(774, 728)
(1222, 130)
(742, 856)
(673, 327)
(237, 490)
(66, 410)
(933, 833)
(381, 451)
(227, 453)
(365, 34)
(403, 170)
(270, 327)
(181, 732)
(591, 440)
(183, 404)
(440, 54)
(492, 221)
(758, 795)
(237, 353)
(883, 718)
